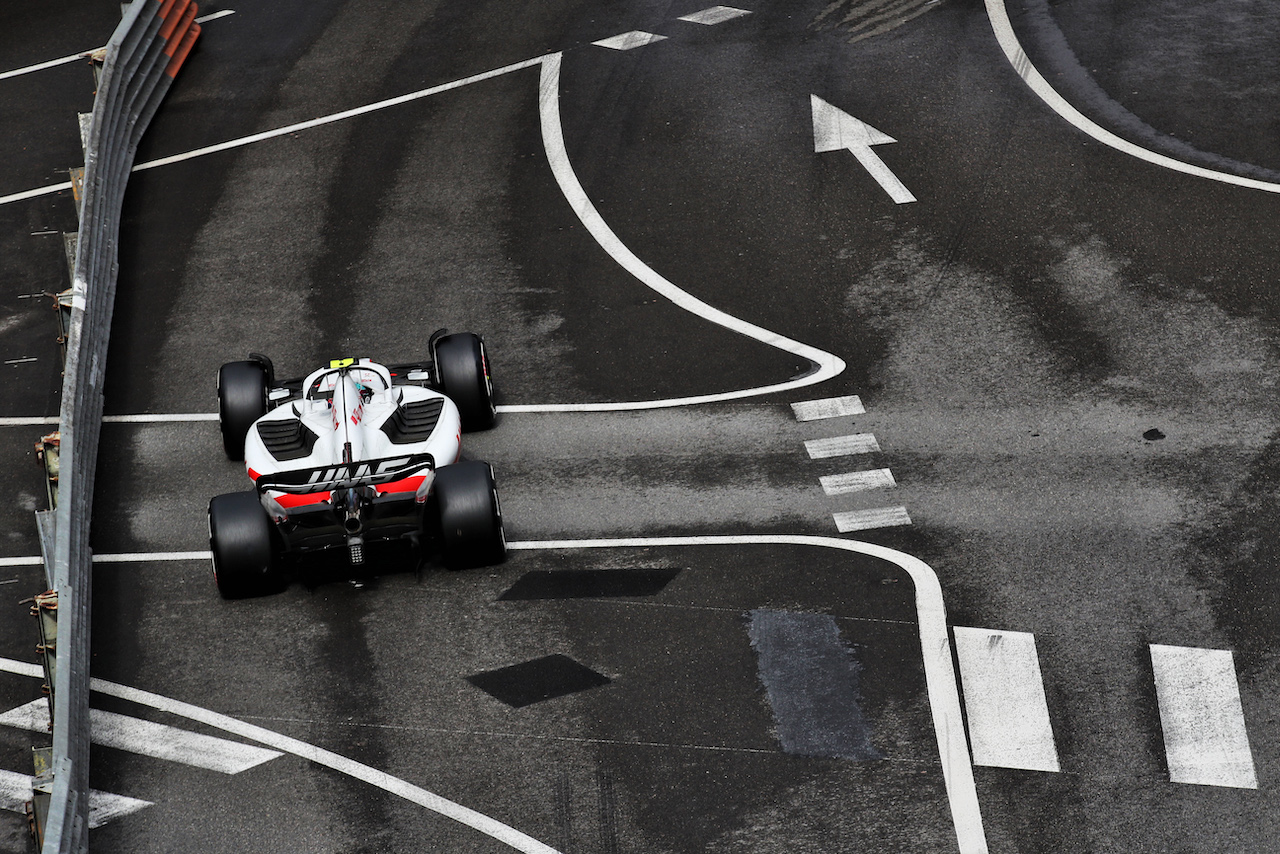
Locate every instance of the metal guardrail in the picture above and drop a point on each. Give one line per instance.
(141, 59)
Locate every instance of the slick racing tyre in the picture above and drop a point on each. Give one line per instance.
(469, 516)
(242, 400)
(463, 368)
(240, 539)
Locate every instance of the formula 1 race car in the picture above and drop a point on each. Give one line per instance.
(355, 453)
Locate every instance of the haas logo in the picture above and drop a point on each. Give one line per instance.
(357, 471)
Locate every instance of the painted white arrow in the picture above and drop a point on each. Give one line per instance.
(834, 129)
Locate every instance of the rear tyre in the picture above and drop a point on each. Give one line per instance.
(240, 539)
(463, 368)
(242, 400)
(469, 515)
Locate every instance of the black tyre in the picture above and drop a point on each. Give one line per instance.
(240, 537)
(463, 368)
(242, 400)
(469, 515)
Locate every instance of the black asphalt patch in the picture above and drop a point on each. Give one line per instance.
(588, 583)
(811, 676)
(537, 680)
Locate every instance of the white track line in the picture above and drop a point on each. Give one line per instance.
(857, 481)
(294, 128)
(828, 364)
(1004, 698)
(840, 446)
(1022, 65)
(830, 407)
(866, 520)
(54, 63)
(714, 15)
(145, 557)
(935, 648)
(629, 41)
(141, 418)
(148, 738)
(1205, 738)
(478, 821)
(15, 791)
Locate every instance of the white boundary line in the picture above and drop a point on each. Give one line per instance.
(1008, 40)
(293, 128)
(54, 63)
(935, 649)
(415, 794)
(829, 365)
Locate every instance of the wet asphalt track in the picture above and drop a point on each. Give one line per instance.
(1013, 334)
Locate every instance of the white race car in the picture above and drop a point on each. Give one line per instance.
(356, 452)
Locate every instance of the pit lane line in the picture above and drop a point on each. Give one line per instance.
(1021, 63)
(935, 649)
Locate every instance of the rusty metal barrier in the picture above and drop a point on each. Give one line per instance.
(141, 60)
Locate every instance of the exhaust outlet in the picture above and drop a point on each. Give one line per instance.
(352, 523)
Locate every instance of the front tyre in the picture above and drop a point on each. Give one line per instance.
(469, 515)
(463, 368)
(240, 539)
(242, 400)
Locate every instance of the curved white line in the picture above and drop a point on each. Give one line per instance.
(829, 365)
(935, 648)
(415, 794)
(1022, 65)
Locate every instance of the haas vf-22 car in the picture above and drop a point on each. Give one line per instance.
(356, 452)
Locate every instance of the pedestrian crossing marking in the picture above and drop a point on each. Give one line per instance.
(1201, 716)
(1005, 701)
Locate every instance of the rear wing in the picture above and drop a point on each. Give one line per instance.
(347, 475)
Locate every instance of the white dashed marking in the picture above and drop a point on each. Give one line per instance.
(714, 15)
(841, 446)
(864, 520)
(831, 407)
(629, 41)
(857, 481)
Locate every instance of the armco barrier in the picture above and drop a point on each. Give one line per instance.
(142, 57)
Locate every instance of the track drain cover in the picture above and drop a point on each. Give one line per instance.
(541, 679)
(587, 583)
